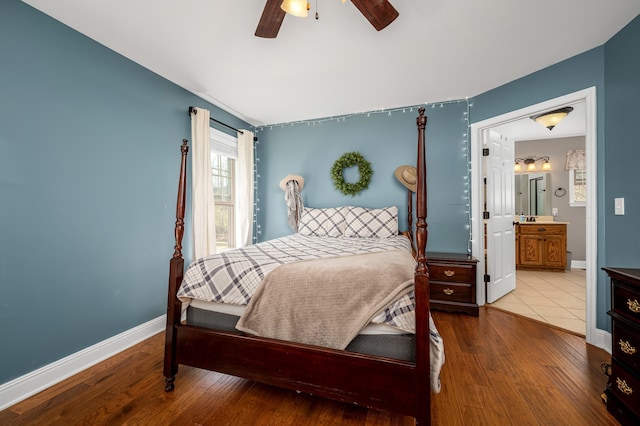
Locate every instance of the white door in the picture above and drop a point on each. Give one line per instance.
(500, 205)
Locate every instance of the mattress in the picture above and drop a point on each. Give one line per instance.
(374, 339)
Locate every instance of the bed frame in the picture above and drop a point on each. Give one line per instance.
(396, 386)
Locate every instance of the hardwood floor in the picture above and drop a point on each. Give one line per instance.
(500, 369)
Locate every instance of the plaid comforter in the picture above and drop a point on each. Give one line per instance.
(233, 276)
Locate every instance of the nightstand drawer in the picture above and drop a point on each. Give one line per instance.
(454, 292)
(451, 273)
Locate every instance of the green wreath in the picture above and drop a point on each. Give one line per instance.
(351, 159)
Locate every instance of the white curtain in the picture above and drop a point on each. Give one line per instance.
(202, 205)
(575, 160)
(244, 189)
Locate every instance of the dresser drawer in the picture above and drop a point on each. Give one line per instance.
(626, 301)
(451, 273)
(626, 345)
(626, 387)
(454, 292)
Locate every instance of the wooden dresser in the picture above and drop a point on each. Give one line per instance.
(452, 282)
(623, 389)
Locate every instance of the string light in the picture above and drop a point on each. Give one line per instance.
(256, 201)
(467, 177)
(343, 118)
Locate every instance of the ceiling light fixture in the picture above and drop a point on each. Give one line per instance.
(530, 163)
(299, 8)
(552, 118)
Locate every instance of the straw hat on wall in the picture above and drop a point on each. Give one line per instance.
(299, 179)
(407, 176)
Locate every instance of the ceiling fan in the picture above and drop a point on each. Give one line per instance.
(379, 13)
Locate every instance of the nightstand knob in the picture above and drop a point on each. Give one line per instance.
(451, 273)
(633, 306)
(626, 347)
(448, 291)
(623, 386)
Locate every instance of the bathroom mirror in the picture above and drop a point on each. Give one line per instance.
(533, 194)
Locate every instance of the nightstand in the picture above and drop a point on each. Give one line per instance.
(452, 282)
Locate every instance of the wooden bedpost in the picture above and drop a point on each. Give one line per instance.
(176, 271)
(423, 387)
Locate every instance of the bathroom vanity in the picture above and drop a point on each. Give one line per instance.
(541, 245)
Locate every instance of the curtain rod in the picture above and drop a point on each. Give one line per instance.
(193, 110)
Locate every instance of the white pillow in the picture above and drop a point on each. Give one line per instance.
(368, 223)
(325, 222)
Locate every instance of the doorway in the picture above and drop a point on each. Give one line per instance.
(478, 133)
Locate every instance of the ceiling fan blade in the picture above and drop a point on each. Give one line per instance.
(271, 19)
(379, 12)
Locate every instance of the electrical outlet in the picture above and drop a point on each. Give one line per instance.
(619, 206)
(554, 211)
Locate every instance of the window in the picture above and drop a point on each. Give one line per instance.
(577, 188)
(224, 152)
(576, 165)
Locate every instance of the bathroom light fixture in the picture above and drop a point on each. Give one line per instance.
(530, 163)
(552, 118)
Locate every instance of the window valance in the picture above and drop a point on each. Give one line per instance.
(575, 160)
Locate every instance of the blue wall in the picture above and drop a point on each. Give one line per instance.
(89, 156)
(622, 148)
(387, 140)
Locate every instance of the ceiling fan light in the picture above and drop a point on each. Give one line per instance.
(552, 118)
(295, 7)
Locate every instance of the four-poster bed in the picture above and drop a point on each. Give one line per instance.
(398, 386)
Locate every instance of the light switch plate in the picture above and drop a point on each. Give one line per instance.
(619, 206)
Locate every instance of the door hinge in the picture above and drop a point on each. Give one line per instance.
(485, 215)
(487, 278)
(485, 152)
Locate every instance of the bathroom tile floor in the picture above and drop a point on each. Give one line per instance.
(556, 298)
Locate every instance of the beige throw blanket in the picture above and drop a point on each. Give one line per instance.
(327, 302)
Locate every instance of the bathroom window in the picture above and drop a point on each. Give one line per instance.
(577, 188)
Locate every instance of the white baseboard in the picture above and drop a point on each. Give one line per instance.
(38, 380)
(603, 340)
(579, 264)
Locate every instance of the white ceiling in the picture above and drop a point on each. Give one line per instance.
(437, 50)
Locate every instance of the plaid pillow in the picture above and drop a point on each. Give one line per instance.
(368, 223)
(327, 222)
